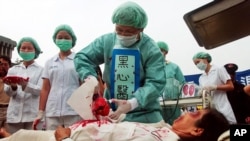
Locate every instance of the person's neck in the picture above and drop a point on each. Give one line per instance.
(208, 68)
(27, 63)
(182, 135)
(167, 61)
(64, 54)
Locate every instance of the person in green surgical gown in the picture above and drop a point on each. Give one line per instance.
(133, 66)
(175, 79)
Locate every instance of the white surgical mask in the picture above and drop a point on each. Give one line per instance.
(127, 41)
(201, 65)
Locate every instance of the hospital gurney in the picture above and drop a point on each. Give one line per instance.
(204, 100)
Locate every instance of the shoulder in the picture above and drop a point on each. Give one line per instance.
(52, 59)
(106, 37)
(105, 40)
(72, 55)
(218, 68)
(148, 46)
(148, 41)
(172, 64)
(222, 71)
(15, 67)
(37, 65)
(214, 67)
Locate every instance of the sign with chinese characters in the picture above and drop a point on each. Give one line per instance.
(125, 72)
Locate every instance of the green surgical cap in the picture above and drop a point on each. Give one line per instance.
(163, 45)
(65, 28)
(202, 55)
(34, 43)
(130, 14)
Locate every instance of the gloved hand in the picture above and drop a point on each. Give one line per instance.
(210, 88)
(40, 115)
(207, 88)
(23, 83)
(124, 107)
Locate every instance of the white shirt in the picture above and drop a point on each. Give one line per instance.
(129, 131)
(102, 131)
(23, 106)
(218, 76)
(64, 80)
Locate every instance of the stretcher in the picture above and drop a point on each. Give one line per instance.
(204, 100)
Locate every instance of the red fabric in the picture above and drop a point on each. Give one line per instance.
(14, 79)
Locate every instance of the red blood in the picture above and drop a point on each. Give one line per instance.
(100, 107)
(83, 123)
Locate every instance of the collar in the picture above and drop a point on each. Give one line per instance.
(70, 57)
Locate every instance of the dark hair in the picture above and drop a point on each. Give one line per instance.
(99, 72)
(6, 58)
(214, 124)
(231, 68)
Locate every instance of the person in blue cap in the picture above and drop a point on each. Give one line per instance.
(133, 66)
(60, 80)
(217, 82)
(175, 79)
(25, 94)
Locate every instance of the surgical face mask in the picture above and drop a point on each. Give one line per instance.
(127, 41)
(64, 45)
(27, 56)
(202, 66)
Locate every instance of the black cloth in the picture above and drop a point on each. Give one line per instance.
(240, 102)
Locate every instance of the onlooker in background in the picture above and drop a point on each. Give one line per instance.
(5, 64)
(217, 81)
(175, 79)
(133, 66)
(60, 80)
(23, 106)
(238, 99)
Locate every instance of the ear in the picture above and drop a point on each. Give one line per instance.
(197, 131)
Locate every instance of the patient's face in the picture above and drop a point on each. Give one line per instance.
(186, 122)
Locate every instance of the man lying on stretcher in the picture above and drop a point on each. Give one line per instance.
(203, 125)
